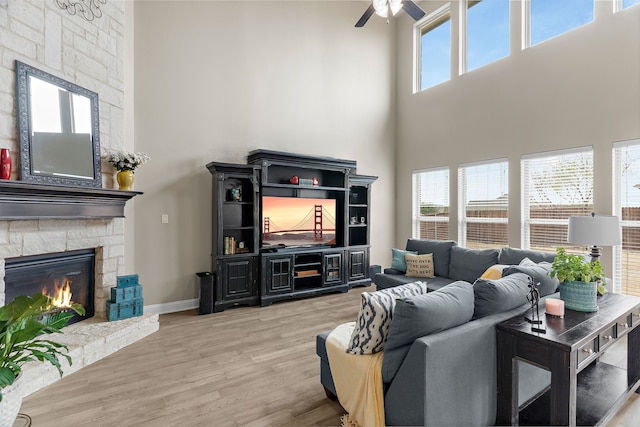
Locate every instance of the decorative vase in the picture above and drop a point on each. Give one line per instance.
(11, 402)
(580, 296)
(125, 180)
(5, 163)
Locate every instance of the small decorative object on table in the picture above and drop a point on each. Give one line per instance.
(236, 194)
(294, 180)
(554, 307)
(534, 298)
(5, 163)
(126, 164)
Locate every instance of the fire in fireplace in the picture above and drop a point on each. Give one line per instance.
(65, 275)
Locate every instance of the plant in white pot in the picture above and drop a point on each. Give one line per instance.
(22, 323)
(579, 279)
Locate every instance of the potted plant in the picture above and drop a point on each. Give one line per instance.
(22, 323)
(580, 280)
(126, 163)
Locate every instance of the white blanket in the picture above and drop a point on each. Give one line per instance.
(358, 379)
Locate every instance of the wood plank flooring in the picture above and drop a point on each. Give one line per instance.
(246, 366)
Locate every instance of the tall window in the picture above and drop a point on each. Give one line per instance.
(435, 49)
(487, 35)
(483, 207)
(431, 204)
(555, 186)
(629, 3)
(549, 18)
(626, 200)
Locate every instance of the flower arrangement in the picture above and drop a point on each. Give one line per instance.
(124, 161)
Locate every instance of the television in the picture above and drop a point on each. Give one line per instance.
(298, 221)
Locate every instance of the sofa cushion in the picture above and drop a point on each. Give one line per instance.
(420, 265)
(421, 315)
(513, 256)
(441, 250)
(539, 273)
(496, 296)
(376, 311)
(469, 264)
(398, 261)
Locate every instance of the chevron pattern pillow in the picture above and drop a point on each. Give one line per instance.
(374, 318)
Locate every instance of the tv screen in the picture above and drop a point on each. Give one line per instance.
(298, 221)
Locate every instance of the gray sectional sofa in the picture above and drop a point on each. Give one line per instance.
(448, 377)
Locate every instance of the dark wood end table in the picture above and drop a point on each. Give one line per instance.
(584, 390)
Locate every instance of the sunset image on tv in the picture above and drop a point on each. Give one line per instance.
(294, 221)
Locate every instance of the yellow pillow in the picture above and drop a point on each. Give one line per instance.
(419, 265)
(494, 272)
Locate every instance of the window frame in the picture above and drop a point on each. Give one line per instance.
(463, 52)
(526, 222)
(417, 219)
(526, 25)
(419, 28)
(463, 220)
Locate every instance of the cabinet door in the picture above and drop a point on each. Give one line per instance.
(358, 264)
(332, 268)
(237, 278)
(278, 275)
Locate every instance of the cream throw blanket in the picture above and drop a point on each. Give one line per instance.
(358, 378)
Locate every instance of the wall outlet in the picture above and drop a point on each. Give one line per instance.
(165, 219)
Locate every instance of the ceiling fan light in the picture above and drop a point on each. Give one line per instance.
(381, 7)
(395, 6)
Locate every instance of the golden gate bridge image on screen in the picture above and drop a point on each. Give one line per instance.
(317, 225)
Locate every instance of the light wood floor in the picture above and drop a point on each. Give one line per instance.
(245, 366)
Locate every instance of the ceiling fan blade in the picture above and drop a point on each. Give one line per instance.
(365, 17)
(413, 10)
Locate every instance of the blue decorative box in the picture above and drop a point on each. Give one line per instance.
(126, 281)
(126, 294)
(124, 310)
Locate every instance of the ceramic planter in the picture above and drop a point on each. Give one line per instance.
(579, 296)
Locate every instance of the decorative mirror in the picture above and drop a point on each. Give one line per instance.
(58, 130)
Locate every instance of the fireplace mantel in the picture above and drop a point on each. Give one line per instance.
(21, 200)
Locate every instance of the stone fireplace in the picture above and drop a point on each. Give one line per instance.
(39, 222)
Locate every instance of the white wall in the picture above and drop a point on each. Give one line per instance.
(215, 80)
(578, 89)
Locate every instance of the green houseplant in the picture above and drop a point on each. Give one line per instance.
(22, 323)
(580, 280)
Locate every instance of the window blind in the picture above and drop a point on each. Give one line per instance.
(626, 201)
(555, 186)
(431, 204)
(483, 204)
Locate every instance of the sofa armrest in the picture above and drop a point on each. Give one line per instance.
(449, 378)
(393, 271)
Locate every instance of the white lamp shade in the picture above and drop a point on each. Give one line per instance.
(594, 230)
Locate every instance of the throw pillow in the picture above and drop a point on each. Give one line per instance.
(421, 315)
(441, 250)
(494, 272)
(469, 264)
(496, 296)
(539, 272)
(376, 311)
(398, 262)
(419, 265)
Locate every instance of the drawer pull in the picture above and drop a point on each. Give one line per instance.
(607, 337)
(624, 325)
(588, 350)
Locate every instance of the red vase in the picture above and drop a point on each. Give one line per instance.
(5, 163)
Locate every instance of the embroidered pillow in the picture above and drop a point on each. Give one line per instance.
(374, 318)
(420, 265)
(398, 262)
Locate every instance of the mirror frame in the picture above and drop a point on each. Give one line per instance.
(23, 72)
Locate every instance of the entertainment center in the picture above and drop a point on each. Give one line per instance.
(288, 226)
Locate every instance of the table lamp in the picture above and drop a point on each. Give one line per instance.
(594, 231)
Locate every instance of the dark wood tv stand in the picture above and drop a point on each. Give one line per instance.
(249, 271)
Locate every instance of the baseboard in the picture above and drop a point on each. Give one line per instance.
(172, 307)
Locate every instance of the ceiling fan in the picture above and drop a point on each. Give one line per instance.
(386, 8)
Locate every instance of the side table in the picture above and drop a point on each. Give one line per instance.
(584, 390)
